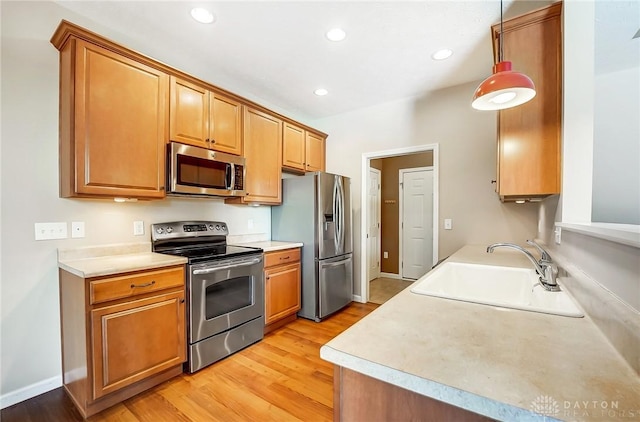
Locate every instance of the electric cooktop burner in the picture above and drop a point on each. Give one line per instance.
(198, 241)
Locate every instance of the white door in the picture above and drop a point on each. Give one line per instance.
(416, 225)
(373, 223)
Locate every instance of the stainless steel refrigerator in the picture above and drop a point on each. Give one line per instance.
(316, 210)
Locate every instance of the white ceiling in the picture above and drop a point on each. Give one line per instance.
(276, 53)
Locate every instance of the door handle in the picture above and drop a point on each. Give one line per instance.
(226, 267)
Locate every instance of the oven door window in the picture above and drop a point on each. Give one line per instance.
(199, 172)
(228, 296)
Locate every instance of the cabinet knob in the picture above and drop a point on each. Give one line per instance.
(181, 300)
(213, 141)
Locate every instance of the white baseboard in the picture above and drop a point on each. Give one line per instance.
(391, 275)
(25, 393)
(357, 298)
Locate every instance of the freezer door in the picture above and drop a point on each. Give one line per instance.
(334, 215)
(335, 277)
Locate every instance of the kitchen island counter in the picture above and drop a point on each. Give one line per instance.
(497, 362)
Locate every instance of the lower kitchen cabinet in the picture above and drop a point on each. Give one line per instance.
(282, 274)
(121, 334)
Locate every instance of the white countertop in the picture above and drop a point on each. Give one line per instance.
(271, 245)
(493, 361)
(98, 261)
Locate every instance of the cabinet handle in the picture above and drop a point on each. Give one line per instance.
(143, 285)
(285, 257)
(181, 300)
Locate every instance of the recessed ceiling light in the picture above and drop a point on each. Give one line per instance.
(443, 54)
(336, 34)
(320, 92)
(202, 15)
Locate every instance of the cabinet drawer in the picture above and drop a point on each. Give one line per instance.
(281, 257)
(135, 284)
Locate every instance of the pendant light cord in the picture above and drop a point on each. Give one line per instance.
(500, 39)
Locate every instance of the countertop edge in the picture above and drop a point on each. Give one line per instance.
(75, 266)
(441, 392)
(271, 245)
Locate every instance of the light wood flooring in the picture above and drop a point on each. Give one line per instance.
(382, 289)
(280, 378)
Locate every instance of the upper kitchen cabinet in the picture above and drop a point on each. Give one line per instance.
(529, 143)
(205, 118)
(113, 118)
(263, 154)
(314, 152)
(302, 150)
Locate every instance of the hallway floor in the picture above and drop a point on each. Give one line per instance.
(382, 289)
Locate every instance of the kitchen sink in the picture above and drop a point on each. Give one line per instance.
(506, 287)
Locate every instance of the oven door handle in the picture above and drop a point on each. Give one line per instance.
(227, 267)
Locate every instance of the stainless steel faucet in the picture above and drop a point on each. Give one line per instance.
(544, 266)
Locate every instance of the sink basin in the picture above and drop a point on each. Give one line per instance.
(506, 287)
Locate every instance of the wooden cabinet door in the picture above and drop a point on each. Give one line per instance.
(189, 113)
(315, 150)
(120, 128)
(282, 291)
(263, 154)
(529, 155)
(136, 339)
(293, 147)
(226, 124)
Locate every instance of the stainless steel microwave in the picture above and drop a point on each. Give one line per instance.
(200, 171)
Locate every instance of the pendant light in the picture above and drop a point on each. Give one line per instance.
(505, 88)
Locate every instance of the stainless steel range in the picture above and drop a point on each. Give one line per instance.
(225, 288)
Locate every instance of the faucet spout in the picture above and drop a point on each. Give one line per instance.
(544, 266)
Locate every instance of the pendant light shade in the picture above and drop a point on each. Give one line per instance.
(504, 89)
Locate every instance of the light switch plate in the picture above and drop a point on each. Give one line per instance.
(50, 231)
(448, 224)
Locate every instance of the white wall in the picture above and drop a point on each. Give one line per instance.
(467, 140)
(30, 329)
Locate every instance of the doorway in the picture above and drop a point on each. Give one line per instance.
(364, 222)
(416, 222)
(373, 234)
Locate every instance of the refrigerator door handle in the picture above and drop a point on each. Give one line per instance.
(341, 215)
(336, 219)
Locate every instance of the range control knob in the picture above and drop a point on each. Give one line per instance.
(210, 226)
(224, 227)
(169, 229)
(159, 230)
(218, 227)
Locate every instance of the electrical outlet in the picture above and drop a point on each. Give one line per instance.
(448, 224)
(49, 231)
(138, 228)
(385, 254)
(77, 229)
(558, 235)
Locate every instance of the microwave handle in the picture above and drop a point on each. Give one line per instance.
(232, 177)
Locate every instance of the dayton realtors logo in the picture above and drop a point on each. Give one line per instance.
(545, 405)
(548, 406)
